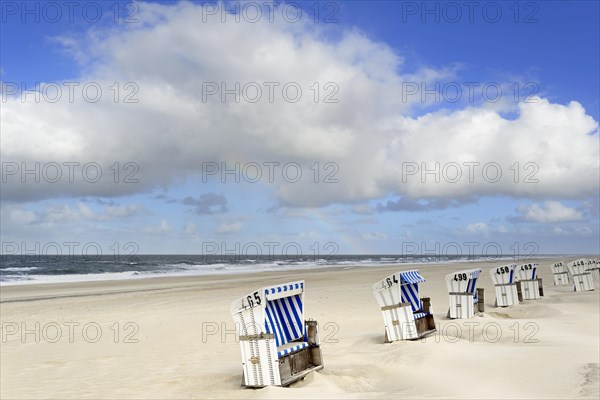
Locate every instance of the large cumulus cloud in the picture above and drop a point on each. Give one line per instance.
(371, 133)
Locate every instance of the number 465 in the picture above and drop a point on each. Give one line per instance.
(251, 300)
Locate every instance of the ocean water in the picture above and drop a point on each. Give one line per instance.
(31, 269)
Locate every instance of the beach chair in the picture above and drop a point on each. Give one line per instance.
(530, 285)
(278, 346)
(582, 279)
(507, 292)
(560, 273)
(465, 297)
(405, 314)
(592, 266)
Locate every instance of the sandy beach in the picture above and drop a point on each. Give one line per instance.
(174, 338)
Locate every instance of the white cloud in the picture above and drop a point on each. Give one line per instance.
(122, 211)
(160, 229)
(570, 232)
(22, 216)
(64, 213)
(369, 133)
(548, 212)
(226, 228)
(477, 228)
(502, 229)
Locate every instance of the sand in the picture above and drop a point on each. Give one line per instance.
(174, 338)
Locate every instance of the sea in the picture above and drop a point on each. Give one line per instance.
(34, 269)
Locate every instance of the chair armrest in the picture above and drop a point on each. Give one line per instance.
(426, 301)
(312, 332)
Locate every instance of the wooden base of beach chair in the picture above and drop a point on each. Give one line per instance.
(480, 300)
(519, 293)
(296, 366)
(425, 325)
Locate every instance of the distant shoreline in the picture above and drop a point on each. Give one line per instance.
(19, 272)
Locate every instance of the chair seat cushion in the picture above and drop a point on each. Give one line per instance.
(420, 315)
(290, 348)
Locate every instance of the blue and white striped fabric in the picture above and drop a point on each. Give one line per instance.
(472, 285)
(472, 288)
(285, 316)
(409, 288)
(292, 349)
(475, 273)
(411, 277)
(284, 288)
(419, 315)
(410, 294)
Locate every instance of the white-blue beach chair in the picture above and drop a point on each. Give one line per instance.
(530, 284)
(405, 314)
(560, 274)
(278, 346)
(465, 297)
(582, 278)
(592, 265)
(505, 286)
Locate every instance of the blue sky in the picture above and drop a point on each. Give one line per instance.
(543, 56)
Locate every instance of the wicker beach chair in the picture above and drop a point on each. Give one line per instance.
(507, 292)
(465, 298)
(592, 265)
(582, 278)
(278, 346)
(530, 284)
(560, 274)
(405, 314)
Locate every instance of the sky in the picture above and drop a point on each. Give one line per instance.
(314, 128)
